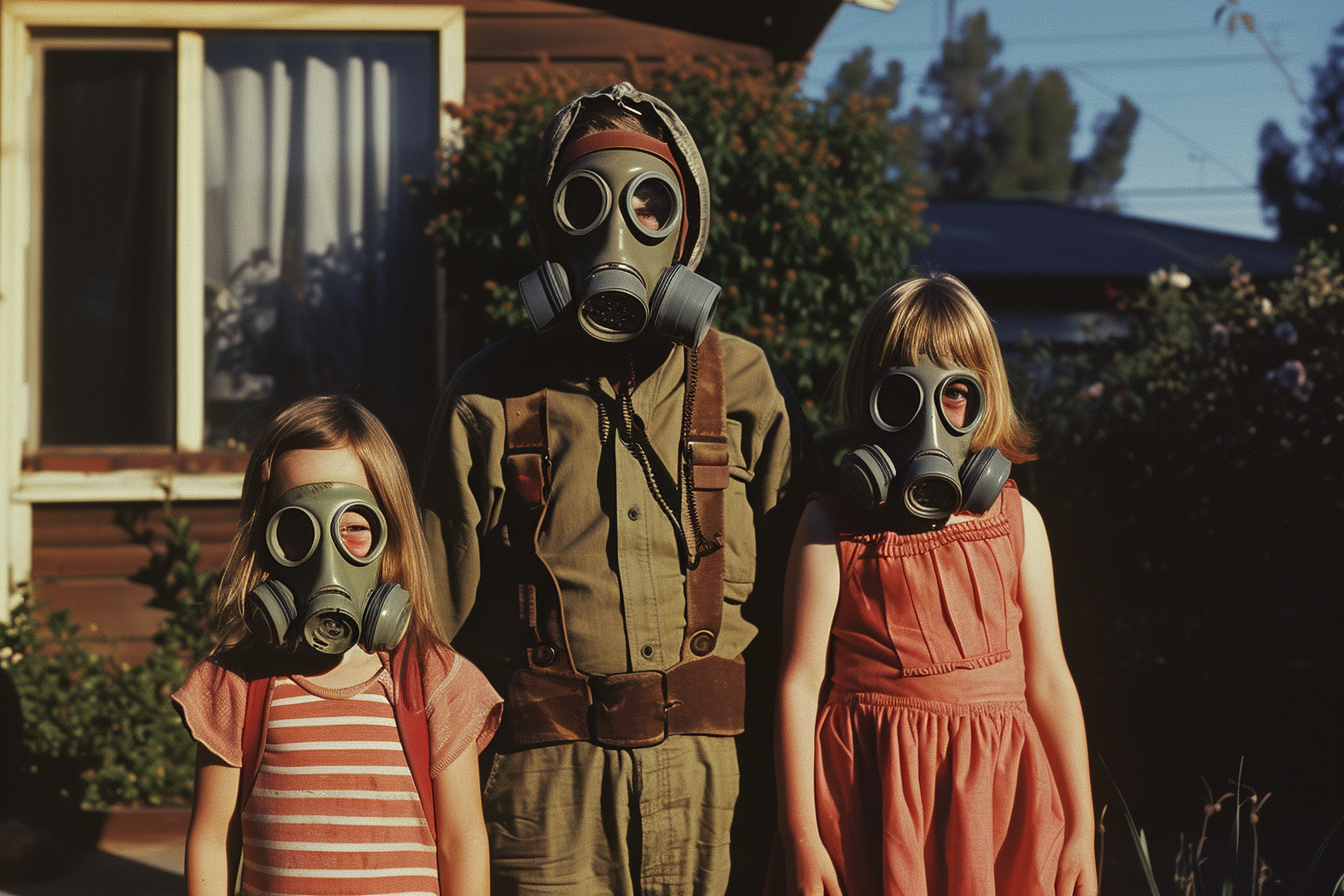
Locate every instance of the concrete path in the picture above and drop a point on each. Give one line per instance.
(140, 853)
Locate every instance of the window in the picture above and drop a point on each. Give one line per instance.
(219, 224)
(107, 283)
(314, 251)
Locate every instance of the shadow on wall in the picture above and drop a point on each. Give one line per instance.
(124, 852)
(100, 873)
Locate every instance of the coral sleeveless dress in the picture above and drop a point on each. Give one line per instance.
(931, 777)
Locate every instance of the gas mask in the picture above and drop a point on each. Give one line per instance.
(919, 470)
(619, 224)
(322, 589)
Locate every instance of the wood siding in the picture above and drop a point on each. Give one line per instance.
(85, 554)
(507, 37)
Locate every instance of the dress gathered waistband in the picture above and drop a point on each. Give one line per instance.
(872, 698)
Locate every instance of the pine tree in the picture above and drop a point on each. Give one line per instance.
(990, 134)
(1302, 188)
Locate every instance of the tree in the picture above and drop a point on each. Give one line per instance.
(856, 76)
(808, 223)
(1302, 188)
(991, 134)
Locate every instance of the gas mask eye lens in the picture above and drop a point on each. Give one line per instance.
(293, 535)
(961, 402)
(895, 400)
(582, 202)
(356, 534)
(359, 533)
(653, 204)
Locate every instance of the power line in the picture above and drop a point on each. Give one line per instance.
(1138, 193)
(860, 30)
(1157, 120)
(862, 33)
(1167, 62)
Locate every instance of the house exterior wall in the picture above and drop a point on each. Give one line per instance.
(63, 537)
(504, 38)
(84, 555)
(47, 493)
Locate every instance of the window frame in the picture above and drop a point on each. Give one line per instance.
(185, 23)
(181, 471)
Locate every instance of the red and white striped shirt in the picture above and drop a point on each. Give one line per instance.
(334, 800)
(334, 810)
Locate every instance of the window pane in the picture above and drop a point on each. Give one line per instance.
(107, 248)
(319, 276)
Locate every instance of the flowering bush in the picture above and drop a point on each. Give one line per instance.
(1215, 372)
(1202, 452)
(808, 224)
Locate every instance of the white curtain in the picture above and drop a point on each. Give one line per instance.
(299, 168)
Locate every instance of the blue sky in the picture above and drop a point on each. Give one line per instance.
(1203, 95)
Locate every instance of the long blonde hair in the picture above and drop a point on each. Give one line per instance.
(328, 421)
(939, 318)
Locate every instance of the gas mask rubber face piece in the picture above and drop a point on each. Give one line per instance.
(919, 470)
(323, 546)
(619, 216)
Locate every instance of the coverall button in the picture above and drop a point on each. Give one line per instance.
(633, 513)
(702, 643)
(544, 655)
(647, 650)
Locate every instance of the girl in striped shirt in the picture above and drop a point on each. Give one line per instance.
(337, 743)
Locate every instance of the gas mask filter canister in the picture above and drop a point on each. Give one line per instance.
(620, 217)
(322, 589)
(920, 468)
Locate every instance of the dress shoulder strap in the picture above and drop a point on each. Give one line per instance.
(1012, 508)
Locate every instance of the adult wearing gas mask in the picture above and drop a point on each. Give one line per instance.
(599, 480)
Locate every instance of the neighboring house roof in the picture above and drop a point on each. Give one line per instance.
(1028, 238)
(1057, 271)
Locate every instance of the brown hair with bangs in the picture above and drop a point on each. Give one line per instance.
(328, 421)
(936, 317)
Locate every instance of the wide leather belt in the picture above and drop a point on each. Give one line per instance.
(630, 709)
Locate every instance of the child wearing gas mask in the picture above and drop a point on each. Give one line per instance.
(929, 734)
(337, 733)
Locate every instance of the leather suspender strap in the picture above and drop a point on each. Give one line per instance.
(527, 479)
(706, 460)
(550, 701)
(526, 455)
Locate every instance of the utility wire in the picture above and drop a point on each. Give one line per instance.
(1190, 142)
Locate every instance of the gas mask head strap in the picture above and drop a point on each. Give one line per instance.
(626, 140)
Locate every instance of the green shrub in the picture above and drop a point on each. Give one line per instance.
(1201, 453)
(105, 733)
(808, 223)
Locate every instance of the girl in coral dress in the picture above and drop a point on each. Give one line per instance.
(929, 733)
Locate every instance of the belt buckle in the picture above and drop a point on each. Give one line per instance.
(629, 709)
